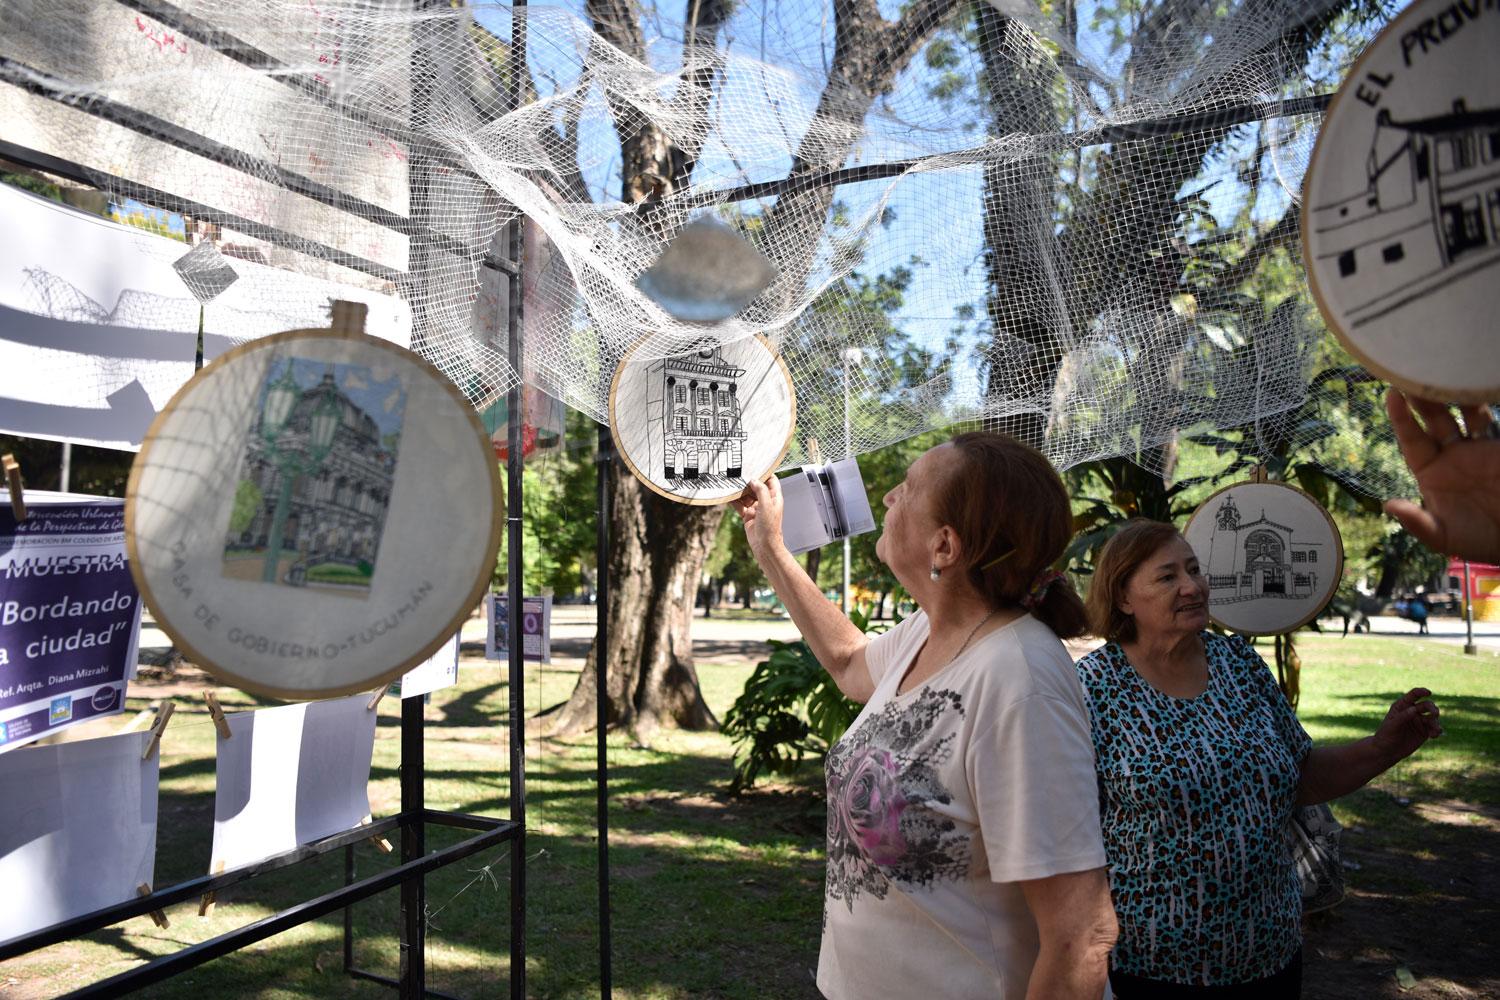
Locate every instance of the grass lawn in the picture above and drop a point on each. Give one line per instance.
(722, 898)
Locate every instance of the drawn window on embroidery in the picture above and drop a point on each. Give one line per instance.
(702, 397)
(681, 399)
(681, 425)
(723, 425)
(1393, 253)
(1312, 556)
(1346, 263)
(703, 425)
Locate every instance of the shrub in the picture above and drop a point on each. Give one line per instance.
(790, 708)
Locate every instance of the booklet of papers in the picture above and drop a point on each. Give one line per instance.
(824, 503)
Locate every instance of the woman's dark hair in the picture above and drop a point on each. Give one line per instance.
(1122, 555)
(1010, 509)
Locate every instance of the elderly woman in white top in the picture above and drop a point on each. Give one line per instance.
(964, 853)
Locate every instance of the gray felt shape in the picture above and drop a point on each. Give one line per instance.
(707, 274)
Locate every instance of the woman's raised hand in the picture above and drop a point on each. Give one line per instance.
(760, 508)
(1412, 721)
(1458, 473)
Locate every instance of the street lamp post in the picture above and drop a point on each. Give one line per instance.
(1469, 646)
(297, 458)
(851, 356)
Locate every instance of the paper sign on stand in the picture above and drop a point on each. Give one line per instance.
(824, 503)
(80, 829)
(69, 615)
(536, 629)
(438, 671)
(290, 775)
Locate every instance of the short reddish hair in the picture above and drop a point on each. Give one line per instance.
(1011, 511)
(1122, 555)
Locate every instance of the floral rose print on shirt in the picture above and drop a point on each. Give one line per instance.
(881, 778)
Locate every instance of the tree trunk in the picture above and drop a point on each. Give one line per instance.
(814, 561)
(659, 547)
(650, 679)
(1027, 313)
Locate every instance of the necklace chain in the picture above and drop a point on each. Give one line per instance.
(972, 633)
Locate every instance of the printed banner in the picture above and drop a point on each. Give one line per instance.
(69, 615)
(536, 629)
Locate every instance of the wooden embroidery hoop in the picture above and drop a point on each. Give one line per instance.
(1323, 148)
(1258, 477)
(347, 323)
(614, 386)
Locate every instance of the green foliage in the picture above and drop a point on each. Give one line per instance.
(558, 504)
(247, 500)
(790, 708)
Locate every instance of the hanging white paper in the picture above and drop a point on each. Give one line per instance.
(824, 503)
(291, 775)
(438, 671)
(80, 829)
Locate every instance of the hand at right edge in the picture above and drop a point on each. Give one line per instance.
(1459, 477)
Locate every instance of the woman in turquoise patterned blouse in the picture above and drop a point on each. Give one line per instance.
(1201, 763)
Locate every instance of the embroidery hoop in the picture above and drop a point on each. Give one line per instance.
(636, 453)
(181, 490)
(1449, 353)
(1328, 585)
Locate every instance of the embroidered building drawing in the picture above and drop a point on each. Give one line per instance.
(1259, 559)
(694, 403)
(333, 516)
(1429, 215)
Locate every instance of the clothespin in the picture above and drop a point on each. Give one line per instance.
(376, 695)
(348, 317)
(1258, 474)
(206, 904)
(377, 840)
(13, 481)
(217, 714)
(158, 729)
(814, 452)
(157, 916)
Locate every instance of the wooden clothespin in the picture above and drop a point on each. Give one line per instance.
(376, 695)
(157, 916)
(217, 714)
(1258, 475)
(156, 730)
(377, 840)
(814, 452)
(348, 317)
(211, 897)
(13, 482)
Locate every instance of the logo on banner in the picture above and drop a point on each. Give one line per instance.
(62, 710)
(104, 699)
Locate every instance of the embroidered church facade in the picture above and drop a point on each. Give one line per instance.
(1259, 558)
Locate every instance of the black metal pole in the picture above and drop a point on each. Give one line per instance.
(601, 699)
(348, 910)
(514, 588)
(413, 846)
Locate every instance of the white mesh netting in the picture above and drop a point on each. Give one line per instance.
(1046, 254)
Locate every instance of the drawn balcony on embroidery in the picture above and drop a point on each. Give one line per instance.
(1429, 215)
(1257, 559)
(694, 405)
